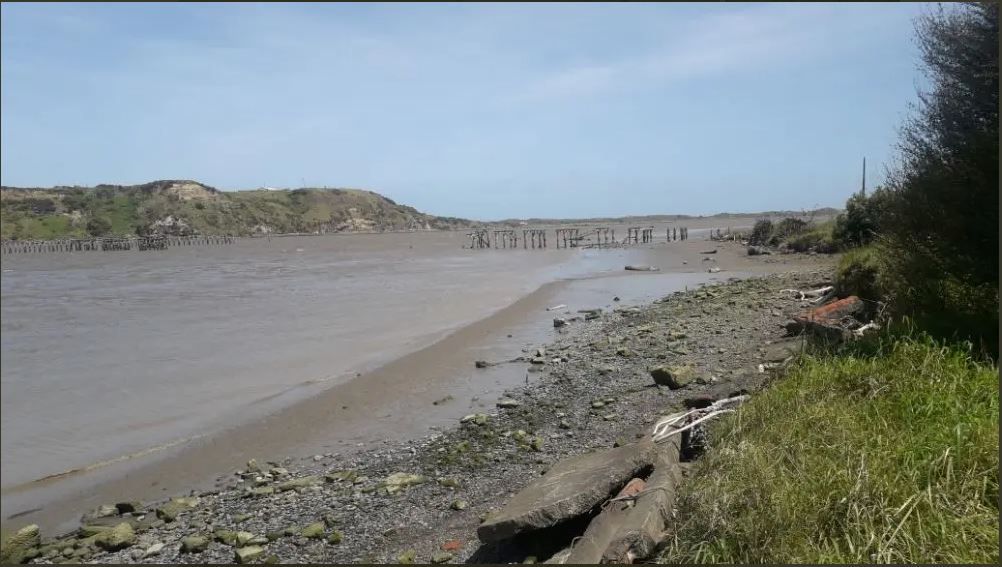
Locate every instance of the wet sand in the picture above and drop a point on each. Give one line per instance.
(389, 402)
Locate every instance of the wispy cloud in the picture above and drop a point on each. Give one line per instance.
(744, 41)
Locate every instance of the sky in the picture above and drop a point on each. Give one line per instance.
(484, 111)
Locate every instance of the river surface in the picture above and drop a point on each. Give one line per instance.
(111, 360)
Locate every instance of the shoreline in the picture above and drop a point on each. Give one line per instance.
(282, 424)
(508, 461)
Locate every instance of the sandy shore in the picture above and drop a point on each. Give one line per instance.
(592, 391)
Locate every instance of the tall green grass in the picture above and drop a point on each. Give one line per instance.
(885, 456)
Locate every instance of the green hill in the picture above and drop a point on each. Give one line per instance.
(179, 207)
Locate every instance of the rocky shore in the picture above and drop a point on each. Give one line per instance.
(423, 501)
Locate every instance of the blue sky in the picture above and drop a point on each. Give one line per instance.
(482, 111)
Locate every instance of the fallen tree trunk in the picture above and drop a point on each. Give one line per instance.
(647, 521)
(590, 547)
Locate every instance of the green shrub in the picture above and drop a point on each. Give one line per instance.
(881, 458)
(859, 273)
(818, 239)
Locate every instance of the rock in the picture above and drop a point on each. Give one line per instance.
(154, 549)
(247, 538)
(407, 557)
(118, 537)
(591, 315)
(507, 403)
(597, 404)
(400, 480)
(615, 298)
(758, 251)
(128, 507)
(642, 268)
(298, 483)
(713, 270)
(103, 511)
(480, 364)
(448, 482)
(341, 476)
(335, 538)
(570, 488)
(194, 544)
(674, 377)
(698, 402)
(452, 545)
(226, 537)
(475, 418)
(248, 554)
(623, 351)
(458, 505)
(262, 491)
(22, 544)
(563, 424)
(313, 531)
(782, 350)
(558, 322)
(175, 507)
(714, 251)
(252, 466)
(441, 557)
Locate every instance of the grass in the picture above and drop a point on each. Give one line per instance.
(818, 237)
(882, 456)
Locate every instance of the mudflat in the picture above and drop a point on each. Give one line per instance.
(293, 347)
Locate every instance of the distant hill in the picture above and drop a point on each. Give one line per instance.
(180, 207)
(826, 212)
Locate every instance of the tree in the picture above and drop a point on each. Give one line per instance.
(98, 226)
(941, 224)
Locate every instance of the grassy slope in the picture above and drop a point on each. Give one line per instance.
(49, 213)
(891, 457)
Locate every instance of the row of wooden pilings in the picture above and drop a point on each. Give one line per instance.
(109, 244)
(569, 237)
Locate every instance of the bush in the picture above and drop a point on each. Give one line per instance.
(886, 458)
(817, 239)
(862, 219)
(761, 233)
(98, 226)
(859, 274)
(941, 223)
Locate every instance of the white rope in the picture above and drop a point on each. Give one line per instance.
(667, 426)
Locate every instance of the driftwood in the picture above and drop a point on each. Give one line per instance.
(646, 522)
(634, 268)
(592, 544)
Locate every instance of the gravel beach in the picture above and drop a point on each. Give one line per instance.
(421, 501)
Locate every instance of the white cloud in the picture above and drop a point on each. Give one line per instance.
(750, 39)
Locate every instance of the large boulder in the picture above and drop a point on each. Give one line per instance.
(21, 546)
(675, 377)
(175, 507)
(570, 488)
(118, 537)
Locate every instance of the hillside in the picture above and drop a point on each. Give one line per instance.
(180, 207)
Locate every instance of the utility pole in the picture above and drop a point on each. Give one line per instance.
(864, 177)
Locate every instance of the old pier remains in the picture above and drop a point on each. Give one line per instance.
(109, 244)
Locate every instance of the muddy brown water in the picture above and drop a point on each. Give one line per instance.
(138, 375)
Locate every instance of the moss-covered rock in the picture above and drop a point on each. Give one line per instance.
(17, 547)
(194, 544)
(118, 537)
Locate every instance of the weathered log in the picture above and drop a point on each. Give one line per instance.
(572, 487)
(592, 544)
(646, 522)
(642, 268)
